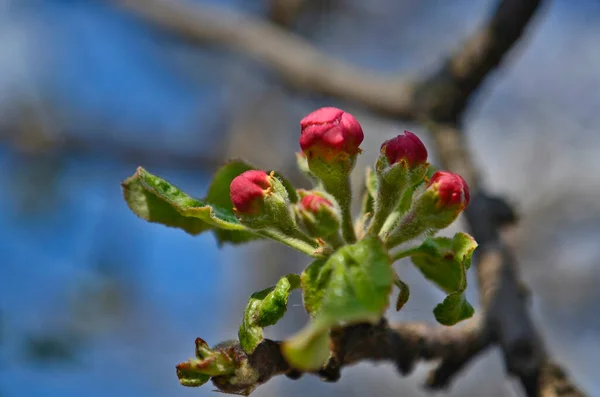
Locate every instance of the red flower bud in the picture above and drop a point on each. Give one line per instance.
(247, 191)
(319, 215)
(451, 188)
(313, 203)
(329, 132)
(407, 147)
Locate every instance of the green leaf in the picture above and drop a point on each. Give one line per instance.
(352, 286)
(453, 309)
(371, 182)
(367, 208)
(208, 363)
(302, 164)
(155, 200)
(265, 308)
(291, 190)
(158, 201)
(368, 201)
(315, 279)
(308, 349)
(445, 262)
(403, 295)
(218, 191)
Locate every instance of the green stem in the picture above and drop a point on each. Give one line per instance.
(385, 203)
(409, 228)
(294, 239)
(404, 253)
(396, 211)
(336, 240)
(390, 222)
(348, 225)
(342, 192)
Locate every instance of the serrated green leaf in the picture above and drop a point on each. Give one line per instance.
(156, 200)
(218, 191)
(353, 285)
(453, 309)
(315, 280)
(445, 262)
(265, 308)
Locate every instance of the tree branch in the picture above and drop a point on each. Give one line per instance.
(445, 95)
(402, 344)
(303, 66)
(285, 12)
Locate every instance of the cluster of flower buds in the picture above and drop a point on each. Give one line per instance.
(405, 205)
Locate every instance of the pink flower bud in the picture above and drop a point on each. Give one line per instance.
(318, 214)
(407, 148)
(452, 190)
(313, 203)
(329, 132)
(247, 191)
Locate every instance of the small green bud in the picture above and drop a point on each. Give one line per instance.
(318, 214)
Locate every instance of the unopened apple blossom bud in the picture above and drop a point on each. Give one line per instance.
(406, 148)
(403, 160)
(401, 165)
(330, 133)
(248, 191)
(260, 200)
(448, 193)
(330, 140)
(445, 197)
(318, 214)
